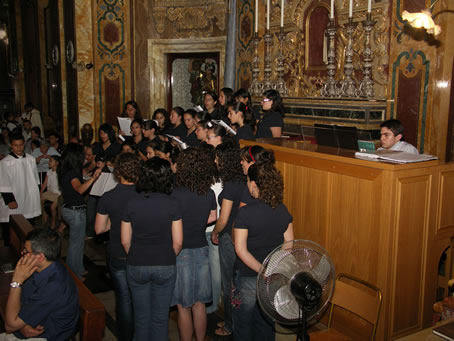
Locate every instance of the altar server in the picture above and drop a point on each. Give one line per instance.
(18, 183)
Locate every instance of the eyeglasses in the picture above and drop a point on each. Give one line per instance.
(211, 137)
(266, 100)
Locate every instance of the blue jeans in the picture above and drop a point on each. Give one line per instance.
(151, 289)
(76, 220)
(227, 260)
(123, 300)
(215, 269)
(249, 321)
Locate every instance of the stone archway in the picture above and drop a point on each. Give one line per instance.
(157, 61)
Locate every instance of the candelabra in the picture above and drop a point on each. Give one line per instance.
(366, 88)
(268, 39)
(348, 84)
(280, 83)
(330, 88)
(256, 86)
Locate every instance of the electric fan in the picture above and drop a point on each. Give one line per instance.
(295, 283)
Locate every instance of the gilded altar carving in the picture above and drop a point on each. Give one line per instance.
(306, 82)
(189, 18)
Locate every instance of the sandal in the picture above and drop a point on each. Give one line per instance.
(220, 324)
(222, 332)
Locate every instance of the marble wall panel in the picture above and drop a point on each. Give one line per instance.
(85, 53)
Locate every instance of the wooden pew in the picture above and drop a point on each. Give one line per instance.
(92, 311)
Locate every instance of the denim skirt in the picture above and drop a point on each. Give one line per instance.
(193, 282)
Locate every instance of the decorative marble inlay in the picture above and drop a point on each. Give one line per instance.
(190, 18)
(412, 64)
(112, 62)
(245, 25)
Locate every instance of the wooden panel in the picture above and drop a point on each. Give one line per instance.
(408, 105)
(446, 212)
(352, 217)
(308, 204)
(412, 218)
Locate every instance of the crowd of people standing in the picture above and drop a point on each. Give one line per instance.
(192, 214)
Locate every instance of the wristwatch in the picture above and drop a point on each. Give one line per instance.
(15, 284)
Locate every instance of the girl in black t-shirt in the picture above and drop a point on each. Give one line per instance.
(152, 236)
(231, 174)
(259, 228)
(241, 115)
(107, 141)
(194, 177)
(177, 127)
(272, 122)
(69, 173)
(189, 120)
(162, 117)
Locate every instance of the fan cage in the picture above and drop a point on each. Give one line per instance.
(307, 255)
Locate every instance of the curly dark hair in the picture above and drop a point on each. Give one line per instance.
(155, 176)
(269, 182)
(257, 154)
(127, 165)
(229, 166)
(195, 170)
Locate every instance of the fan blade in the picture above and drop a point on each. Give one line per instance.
(285, 303)
(282, 262)
(321, 272)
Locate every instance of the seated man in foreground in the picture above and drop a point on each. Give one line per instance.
(391, 135)
(43, 300)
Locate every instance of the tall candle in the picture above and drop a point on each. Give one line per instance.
(332, 9)
(282, 13)
(268, 9)
(350, 9)
(369, 6)
(256, 16)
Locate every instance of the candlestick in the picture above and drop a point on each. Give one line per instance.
(330, 88)
(268, 9)
(282, 13)
(366, 88)
(332, 9)
(256, 87)
(256, 16)
(348, 84)
(350, 9)
(369, 6)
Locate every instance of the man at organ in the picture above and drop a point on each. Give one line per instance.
(391, 137)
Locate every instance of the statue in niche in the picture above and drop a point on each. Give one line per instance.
(203, 78)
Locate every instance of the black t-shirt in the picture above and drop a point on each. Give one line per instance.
(266, 227)
(269, 120)
(70, 196)
(195, 210)
(246, 196)
(179, 131)
(191, 140)
(151, 216)
(113, 204)
(113, 150)
(142, 146)
(244, 133)
(231, 191)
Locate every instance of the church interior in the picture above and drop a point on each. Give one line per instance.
(353, 63)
